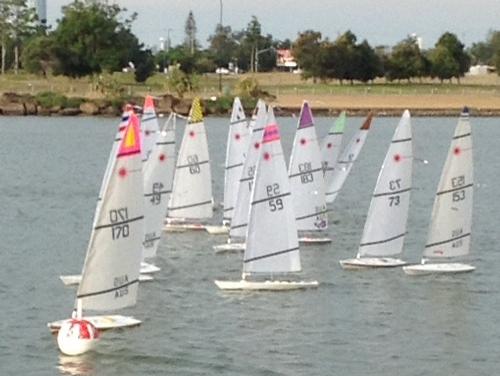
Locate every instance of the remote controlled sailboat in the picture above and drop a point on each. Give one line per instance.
(111, 269)
(331, 146)
(191, 200)
(239, 221)
(238, 139)
(307, 180)
(272, 242)
(74, 279)
(346, 160)
(158, 180)
(149, 127)
(451, 220)
(385, 226)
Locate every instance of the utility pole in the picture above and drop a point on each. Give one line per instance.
(221, 30)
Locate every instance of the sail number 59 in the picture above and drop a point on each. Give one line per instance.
(274, 203)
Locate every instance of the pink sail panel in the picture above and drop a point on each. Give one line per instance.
(131, 142)
(271, 133)
(148, 103)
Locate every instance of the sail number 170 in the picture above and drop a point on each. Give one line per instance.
(274, 203)
(118, 219)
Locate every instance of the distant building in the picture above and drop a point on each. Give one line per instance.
(285, 59)
(41, 10)
(480, 69)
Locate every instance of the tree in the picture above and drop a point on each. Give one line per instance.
(368, 65)
(405, 62)
(305, 49)
(16, 23)
(443, 64)
(190, 29)
(90, 39)
(22, 24)
(223, 46)
(38, 55)
(456, 50)
(252, 38)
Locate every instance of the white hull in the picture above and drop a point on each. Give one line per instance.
(181, 227)
(101, 322)
(265, 285)
(147, 268)
(445, 268)
(217, 230)
(371, 262)
(71, 280)
(229, 247)
(313, 240)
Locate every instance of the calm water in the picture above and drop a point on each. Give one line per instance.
(373, 322)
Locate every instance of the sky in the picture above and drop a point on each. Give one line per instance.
(381, 22)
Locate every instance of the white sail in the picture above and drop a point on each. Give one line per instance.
(149, 127)
(111, 270)
(385, 226)
(238, 139)
(240, 216)
(306, 176)
(158, 180)
(192, 190)
(346, 160)
(112, 156)
(272, 240)
(451, 221)
(331, 146)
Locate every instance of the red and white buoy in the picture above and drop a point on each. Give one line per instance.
(76, 335)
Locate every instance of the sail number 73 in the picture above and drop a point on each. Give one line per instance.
(394, 200)
(274, 203)
(119, 229)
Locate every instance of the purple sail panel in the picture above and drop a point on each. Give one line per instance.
(306, 118)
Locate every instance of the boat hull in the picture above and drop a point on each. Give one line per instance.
(444, 268)
(71, 280)
(229, 247)
(306, 240)
(147, 268)
(371, 262)
(106, 322)
(217, 230)
(265, 285)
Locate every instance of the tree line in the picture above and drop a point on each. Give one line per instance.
(94, 37)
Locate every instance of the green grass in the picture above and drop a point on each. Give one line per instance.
(123, 84)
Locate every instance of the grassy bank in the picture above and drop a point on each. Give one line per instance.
(481, 93)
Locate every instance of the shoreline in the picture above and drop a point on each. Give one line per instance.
(12, 104)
